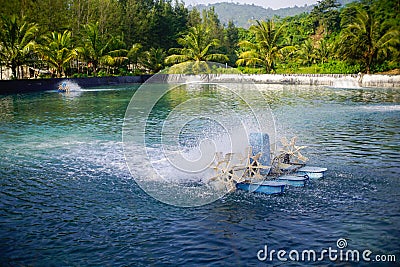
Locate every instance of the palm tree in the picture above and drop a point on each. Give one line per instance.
(307, 53)
(134, 54)
(97, 50)
(116, 56)
(58, 50)
(196, 47)
(323, 51)
(153, 60)
(95, 47)
(266, 48)
(361, 40)
(114, 59)
(17, 42)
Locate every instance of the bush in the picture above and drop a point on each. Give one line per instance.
(102, 73)
(123, 72)
(331, 67)
(340, 67)
(248, 70)
(385, 66)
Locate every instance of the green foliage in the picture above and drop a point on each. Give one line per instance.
(57, 50)
(99, 50)
(123, 37)
(153, 60)
(267, 47)
(231, 40)
(95, 47)
(363, 39)
(209, 22)
(196, 47)
(386, 66)
(249, 70)
(340, 67)
(332, 67)
(326, 14)
(134, 54)
(102, 73)
(324, 51)
(79, 75)
(298, 28)
(17, 42)
(165, 23)
(306, 53)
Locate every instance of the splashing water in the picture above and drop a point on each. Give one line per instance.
(175, 127)
(70, 85)
(69, 89)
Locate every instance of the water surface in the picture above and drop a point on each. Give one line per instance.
(68, 199)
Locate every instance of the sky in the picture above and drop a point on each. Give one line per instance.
(274, 4)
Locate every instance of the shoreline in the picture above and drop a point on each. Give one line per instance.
(334, 80)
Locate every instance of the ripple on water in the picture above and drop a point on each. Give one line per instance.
(67, 198)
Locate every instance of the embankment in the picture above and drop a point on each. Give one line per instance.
(334, 80)
(35, 85)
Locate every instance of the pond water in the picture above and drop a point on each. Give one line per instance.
(68, 198)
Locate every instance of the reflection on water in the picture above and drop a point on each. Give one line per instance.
(287, 95)
(67, 198)
(7, 108)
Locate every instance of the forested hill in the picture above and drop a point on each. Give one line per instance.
(242, 14)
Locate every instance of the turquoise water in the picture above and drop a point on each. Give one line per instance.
(68, 199)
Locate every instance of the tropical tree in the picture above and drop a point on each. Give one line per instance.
(165, 22)
(153, 60)
(298, 28)
(231, 42)
(266, 49)
(307, 53)
(134, 55)
(196, 47)
(323, 51)
(95, 47)
(17, 42)
(362, 40)
(58, 50)
(116, 56)
(210, 21)
(325, 13)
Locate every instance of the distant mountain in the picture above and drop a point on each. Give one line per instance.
(243, 14)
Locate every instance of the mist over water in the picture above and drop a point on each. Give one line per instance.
(68, 198)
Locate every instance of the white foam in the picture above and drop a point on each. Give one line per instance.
(383, 108)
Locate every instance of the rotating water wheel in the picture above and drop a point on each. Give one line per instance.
(289, 155)
(253, 165)
(228, 169)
